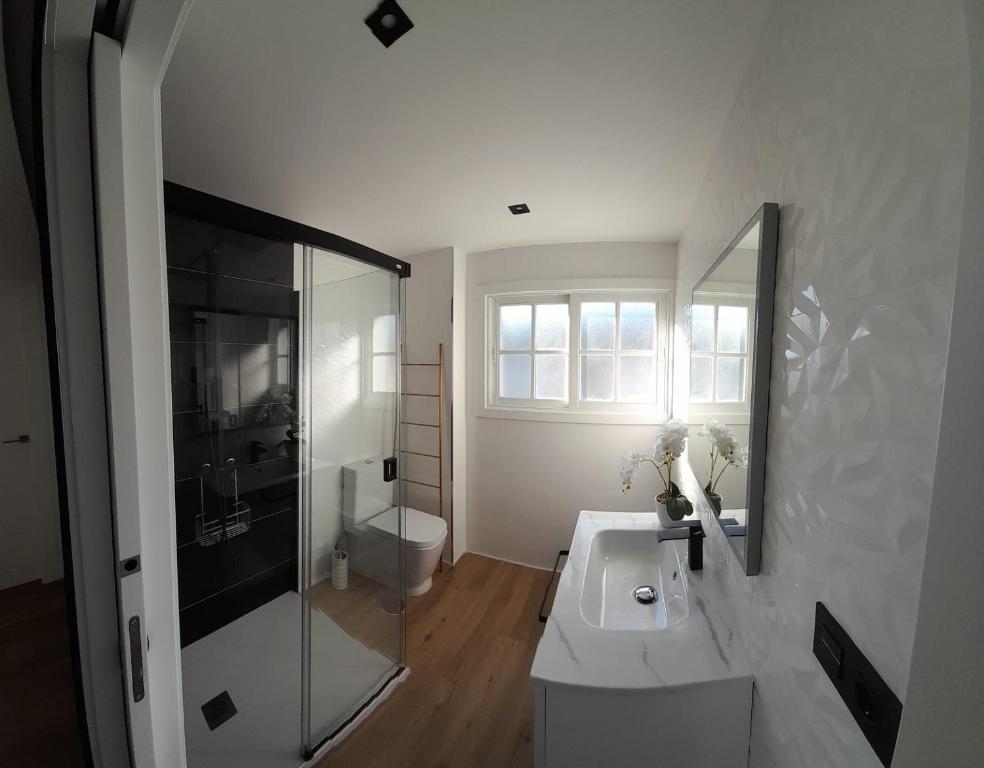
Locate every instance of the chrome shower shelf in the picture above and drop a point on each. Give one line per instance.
(213, 531)
(209, 531)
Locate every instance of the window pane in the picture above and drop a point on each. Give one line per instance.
(597, 377)
(515, 326)
(384, 373)
(514, 376)
(702, 328)
(551, 377)
(283, 355)
(598, 325)
(700, 379)
(552, 322)
(384, 334)
(732, 329)
(637, 330)
(730, 379)
(637, 378)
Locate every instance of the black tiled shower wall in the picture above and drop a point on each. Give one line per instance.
(234, 378)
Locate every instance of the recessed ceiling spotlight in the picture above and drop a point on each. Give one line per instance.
(389, 22)
(519, 208)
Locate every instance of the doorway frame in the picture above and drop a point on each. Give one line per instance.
(122, 731)
(103, 150)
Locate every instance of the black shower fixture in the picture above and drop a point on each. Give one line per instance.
(519, 208)
(389, 22)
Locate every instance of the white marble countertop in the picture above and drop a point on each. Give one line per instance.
(703, 649)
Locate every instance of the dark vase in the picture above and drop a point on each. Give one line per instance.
(677, 505)
(715, 498)
(291, 448)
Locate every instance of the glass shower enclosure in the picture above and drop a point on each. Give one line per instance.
(285, 371)
(350, 397)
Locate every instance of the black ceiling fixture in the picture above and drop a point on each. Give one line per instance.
(519, 208)
(389, 22)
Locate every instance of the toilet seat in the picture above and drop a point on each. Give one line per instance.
(421, 531)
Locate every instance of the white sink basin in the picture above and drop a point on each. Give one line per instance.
(619, 561)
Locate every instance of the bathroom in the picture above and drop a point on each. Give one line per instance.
(523, 384)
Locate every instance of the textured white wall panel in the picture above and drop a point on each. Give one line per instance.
(853, 117)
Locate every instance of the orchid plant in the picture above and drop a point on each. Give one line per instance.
(670, 443)
(724, 453)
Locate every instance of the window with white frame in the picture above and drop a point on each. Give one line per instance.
(720, 342)
(382, 370)
(578, 352)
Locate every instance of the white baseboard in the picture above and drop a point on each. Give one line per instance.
(507, 560)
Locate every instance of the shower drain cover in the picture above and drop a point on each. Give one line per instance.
(218, 710)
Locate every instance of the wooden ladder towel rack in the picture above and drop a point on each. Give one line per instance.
(438, 398)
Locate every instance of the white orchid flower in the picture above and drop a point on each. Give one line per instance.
(724, 447)
(630, 465)
(671, 440)
(715, 430)
(710, 428)
(727, 447)
(669, 445)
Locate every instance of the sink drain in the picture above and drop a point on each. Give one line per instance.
(645, 595)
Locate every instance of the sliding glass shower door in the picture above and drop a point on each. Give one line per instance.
(285, 376)
(352, 515)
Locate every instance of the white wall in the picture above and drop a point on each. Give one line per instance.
(853, 117)
(459, 403)
(941, 720)
(20, 260)
(427, 307)
(527, 480)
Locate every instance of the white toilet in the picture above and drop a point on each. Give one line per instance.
(368, 513)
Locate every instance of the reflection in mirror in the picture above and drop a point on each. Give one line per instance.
(730, 359)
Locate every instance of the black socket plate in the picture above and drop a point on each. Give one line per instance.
(876, 709)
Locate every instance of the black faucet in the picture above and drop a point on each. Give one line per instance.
(256, 449)
(693, 532)
(695, 547)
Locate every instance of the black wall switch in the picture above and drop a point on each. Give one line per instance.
(876, 709)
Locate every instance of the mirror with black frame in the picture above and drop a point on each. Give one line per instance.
(730, 319)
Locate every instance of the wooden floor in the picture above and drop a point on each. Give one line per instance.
(467, 702)
(38, 721)
(361, 610)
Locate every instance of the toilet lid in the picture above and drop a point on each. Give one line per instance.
(422, 530)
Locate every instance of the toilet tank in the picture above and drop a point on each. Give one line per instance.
(364, 492)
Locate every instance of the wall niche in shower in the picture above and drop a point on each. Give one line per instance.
(234, 315)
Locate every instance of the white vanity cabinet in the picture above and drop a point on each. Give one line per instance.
(624, 683)
(703, 726)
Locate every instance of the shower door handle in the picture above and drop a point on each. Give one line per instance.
(389, 469)
(18, 439)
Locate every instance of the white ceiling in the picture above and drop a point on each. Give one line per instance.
(602, 116)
